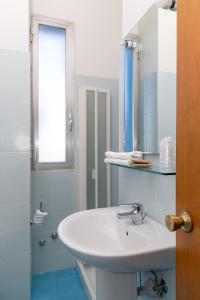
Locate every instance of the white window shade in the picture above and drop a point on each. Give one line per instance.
(52, 95)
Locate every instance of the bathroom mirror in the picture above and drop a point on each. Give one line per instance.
(154, 68)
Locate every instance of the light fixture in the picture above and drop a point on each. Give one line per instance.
(167, 4)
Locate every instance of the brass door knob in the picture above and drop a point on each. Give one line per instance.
(183, 222)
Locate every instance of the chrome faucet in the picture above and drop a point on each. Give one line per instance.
(133, 210)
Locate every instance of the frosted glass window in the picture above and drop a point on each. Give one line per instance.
(51, 94)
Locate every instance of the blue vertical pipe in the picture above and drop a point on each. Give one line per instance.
(128, 99)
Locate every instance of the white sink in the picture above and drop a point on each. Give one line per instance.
(100, 239)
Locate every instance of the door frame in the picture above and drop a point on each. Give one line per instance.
(83, 145)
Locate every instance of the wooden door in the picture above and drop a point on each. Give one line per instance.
(188, 148)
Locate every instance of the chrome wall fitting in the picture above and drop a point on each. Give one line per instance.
(54, 235)
(42, 243)
(41, 207)
(153, 287)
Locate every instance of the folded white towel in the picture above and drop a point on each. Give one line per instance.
(121, 162)
(128, 162)
(124, 155)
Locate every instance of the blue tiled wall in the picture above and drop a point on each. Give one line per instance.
(14, 175)
(58, 192)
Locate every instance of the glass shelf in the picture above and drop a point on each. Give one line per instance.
(153, 170)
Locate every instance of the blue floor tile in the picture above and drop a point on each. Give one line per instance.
(74, 296)
(42, 278)
(71, 272)
(41, 291)
(59, 285)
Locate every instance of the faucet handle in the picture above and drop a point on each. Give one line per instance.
(133, 210)
(131, 204)
(136, 207)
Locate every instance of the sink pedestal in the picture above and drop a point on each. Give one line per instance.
(117, 286)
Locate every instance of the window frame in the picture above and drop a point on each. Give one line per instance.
(69, 100)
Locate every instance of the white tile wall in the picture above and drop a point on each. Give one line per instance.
(14, 175)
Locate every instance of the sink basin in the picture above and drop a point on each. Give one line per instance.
(100, 239)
